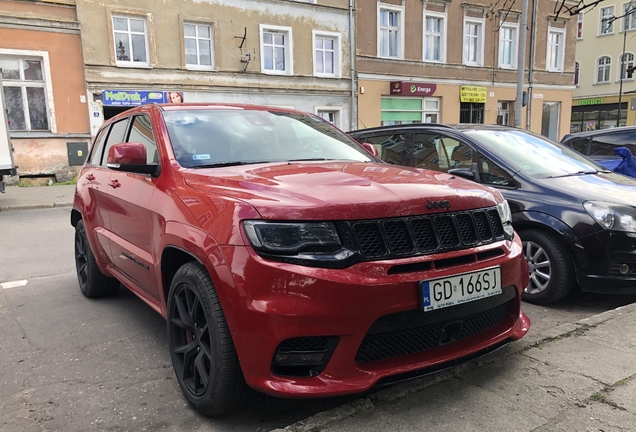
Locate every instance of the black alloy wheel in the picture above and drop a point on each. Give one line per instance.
(92, 282)
(201, 346)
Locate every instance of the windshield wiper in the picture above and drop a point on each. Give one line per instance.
(578, 173)
(230, 163)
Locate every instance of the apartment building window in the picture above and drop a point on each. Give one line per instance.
(435, 37)
(197, 40)
(390, 32)
(626, 62)
(24, 89)
(409, 110)
(577, 71)
(579, 26)
(473, 42)
(471, 112)
(629, 21)
(326, 54)
(131, 41)
(508, 46)
(556, 50)
(607, 20)
(331, 114)
(504, 111)
(276, 50)
(603, 69)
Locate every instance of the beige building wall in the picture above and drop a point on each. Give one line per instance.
(50, 34)
(591, 47)
(237, 74)
(375, 73)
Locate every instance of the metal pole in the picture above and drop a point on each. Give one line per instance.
(521, 62)
(531, 64)
(620, 91)
(352, 115)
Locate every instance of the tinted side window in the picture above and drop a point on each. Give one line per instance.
(580, 145)
(491, 174)
(603, 145)
(98, 147)
(390, 147)
(141, 131)
(115, 136)
(441, 153)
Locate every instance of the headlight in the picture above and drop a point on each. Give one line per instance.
(610, 216)
(292, 237)
(506, 219)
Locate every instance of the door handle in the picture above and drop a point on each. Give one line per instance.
(90, 177)
(114, 184)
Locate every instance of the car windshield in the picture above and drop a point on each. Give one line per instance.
(535, 155)
(235, 136)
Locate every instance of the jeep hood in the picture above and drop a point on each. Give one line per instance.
(339, 190)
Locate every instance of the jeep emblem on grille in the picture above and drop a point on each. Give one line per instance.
(443, 204)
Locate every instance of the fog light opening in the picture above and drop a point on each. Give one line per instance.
(624, 269)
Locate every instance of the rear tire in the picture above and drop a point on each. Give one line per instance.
(550, 267)
(203, 354)
(92, 282)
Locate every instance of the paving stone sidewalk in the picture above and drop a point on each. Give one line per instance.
(22, 198)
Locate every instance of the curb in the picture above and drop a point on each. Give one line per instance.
(321, 420)
(35, 206)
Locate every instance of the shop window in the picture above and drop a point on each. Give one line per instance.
(470, 112)
(603, 69)
(409, 110)
(435, 37)
(25, 93)
(626, 62)
(555, 50)
(473, 42)
(197, 41)
(326, 54)
(508, 46)
(579, 26)
(131, 41)
(276, 53)
(550, 120)
(629, 20)
(390, 31)
(504, 113)
(606, 26)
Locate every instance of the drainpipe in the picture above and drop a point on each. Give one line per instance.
(531, 65)
(352, 115)
(521, 61)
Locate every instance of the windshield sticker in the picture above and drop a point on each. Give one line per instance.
(201, 156)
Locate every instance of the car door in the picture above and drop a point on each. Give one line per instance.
(131, 219)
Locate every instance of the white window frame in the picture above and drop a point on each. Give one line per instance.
(400, 38)
(628, 19)
(289, 49)
(596, 69)
(337, 52)
(620, 67)
(48, 83)
(337, 110)
(601, 28)
(442, 50)
(480, 41)
(514, 48)
(560, 53)
(196, 38)
(579, 26)
(131, 63)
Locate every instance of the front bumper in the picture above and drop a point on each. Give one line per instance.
(267, 303)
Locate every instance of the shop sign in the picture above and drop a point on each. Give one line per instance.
(409, 88)
(472, 94)
(590, 101)
(136, 98)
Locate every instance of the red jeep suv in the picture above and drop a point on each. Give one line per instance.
(288, 259)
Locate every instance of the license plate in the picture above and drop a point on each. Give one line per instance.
(463, 288)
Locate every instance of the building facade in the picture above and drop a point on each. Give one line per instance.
(288, 53)
(450, 62)
(43, 87)
(605, 94)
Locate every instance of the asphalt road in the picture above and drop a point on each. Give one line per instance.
(74, 364)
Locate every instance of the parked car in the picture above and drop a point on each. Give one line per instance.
(599, 144)
(287, 258)
(577, 220)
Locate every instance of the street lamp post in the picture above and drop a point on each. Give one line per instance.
(623, 72)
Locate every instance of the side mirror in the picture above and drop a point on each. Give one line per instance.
(370, 148)
(466, 173)
(130, 157)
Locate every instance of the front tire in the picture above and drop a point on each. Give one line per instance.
(203, 354)
(550, 267)
(92, 282)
